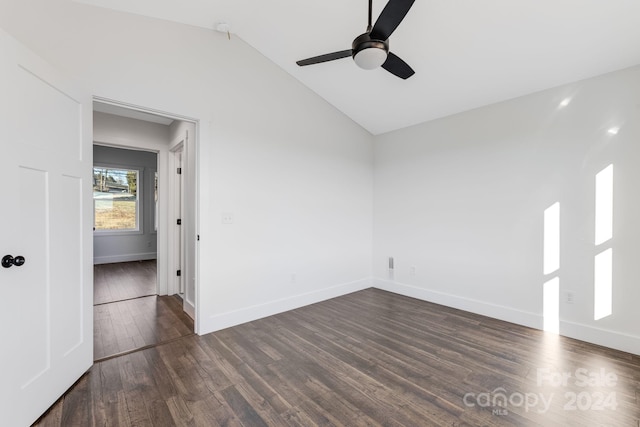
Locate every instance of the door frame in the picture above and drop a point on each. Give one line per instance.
(165, 209)
(176, 242)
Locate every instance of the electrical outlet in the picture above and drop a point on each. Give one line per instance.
(412, 271)
(293, 278)
(569, 297)
(227, 218)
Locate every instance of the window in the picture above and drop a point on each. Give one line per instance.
(115, 199)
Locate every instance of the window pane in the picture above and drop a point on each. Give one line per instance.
(115, 199)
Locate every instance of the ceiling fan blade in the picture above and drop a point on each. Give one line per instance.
(389, 19)
(324, 58)
(397, 67)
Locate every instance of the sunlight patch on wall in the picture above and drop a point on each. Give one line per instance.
(603, 281)
(551, 305)
(603, 265)
(551, 265)
(604, 205)
(551, 258)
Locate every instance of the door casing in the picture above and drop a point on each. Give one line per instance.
(166, 265)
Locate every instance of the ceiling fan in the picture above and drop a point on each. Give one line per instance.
(371, 49)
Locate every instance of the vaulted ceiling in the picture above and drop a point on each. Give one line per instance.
(466, 53)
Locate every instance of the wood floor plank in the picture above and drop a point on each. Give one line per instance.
(78, 406)
(370, 358)
(331, 409)
(245, 412)
(127, 325)
(125, 280)
(214, 411)
(180, 413)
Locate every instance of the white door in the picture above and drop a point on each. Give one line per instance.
(46, 317)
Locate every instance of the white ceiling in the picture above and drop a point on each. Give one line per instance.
(466, 53)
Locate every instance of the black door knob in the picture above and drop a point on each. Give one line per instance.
(8, 261)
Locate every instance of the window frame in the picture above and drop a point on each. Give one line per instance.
(139, 206)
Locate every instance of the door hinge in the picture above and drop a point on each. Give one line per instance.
(179, 221)
(179, 171)
(179, 273)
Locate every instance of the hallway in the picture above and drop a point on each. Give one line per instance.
(128, 315)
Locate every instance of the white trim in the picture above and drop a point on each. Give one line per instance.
(189, 308)
(500, 312)
(258, 311)
(163, 207)
(174, 232)
(603, 337)
(135, 107)
(125, 258)
(607, 338)
(195, 145)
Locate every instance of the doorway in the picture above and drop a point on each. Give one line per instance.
(147, 303)
(176, 244)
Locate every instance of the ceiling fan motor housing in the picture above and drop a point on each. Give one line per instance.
(369, 53)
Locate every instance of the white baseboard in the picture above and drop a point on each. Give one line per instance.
(248, 314)
(495, 311)
(612, 339)
(190, 309)
(606, 338)
(125, 258)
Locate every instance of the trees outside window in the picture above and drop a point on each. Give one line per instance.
(116, 199)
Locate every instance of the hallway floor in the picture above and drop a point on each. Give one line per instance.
(128, 315)
(123, 280)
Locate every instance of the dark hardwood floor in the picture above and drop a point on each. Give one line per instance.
(368, 358)
(123, 280)
(128, 315)
(131, 324)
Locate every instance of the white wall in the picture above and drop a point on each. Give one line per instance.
(109, 129)
(461, 199)
(137, 245)
(295, 172)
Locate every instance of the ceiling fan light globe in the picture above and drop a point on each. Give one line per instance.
(370, 58)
